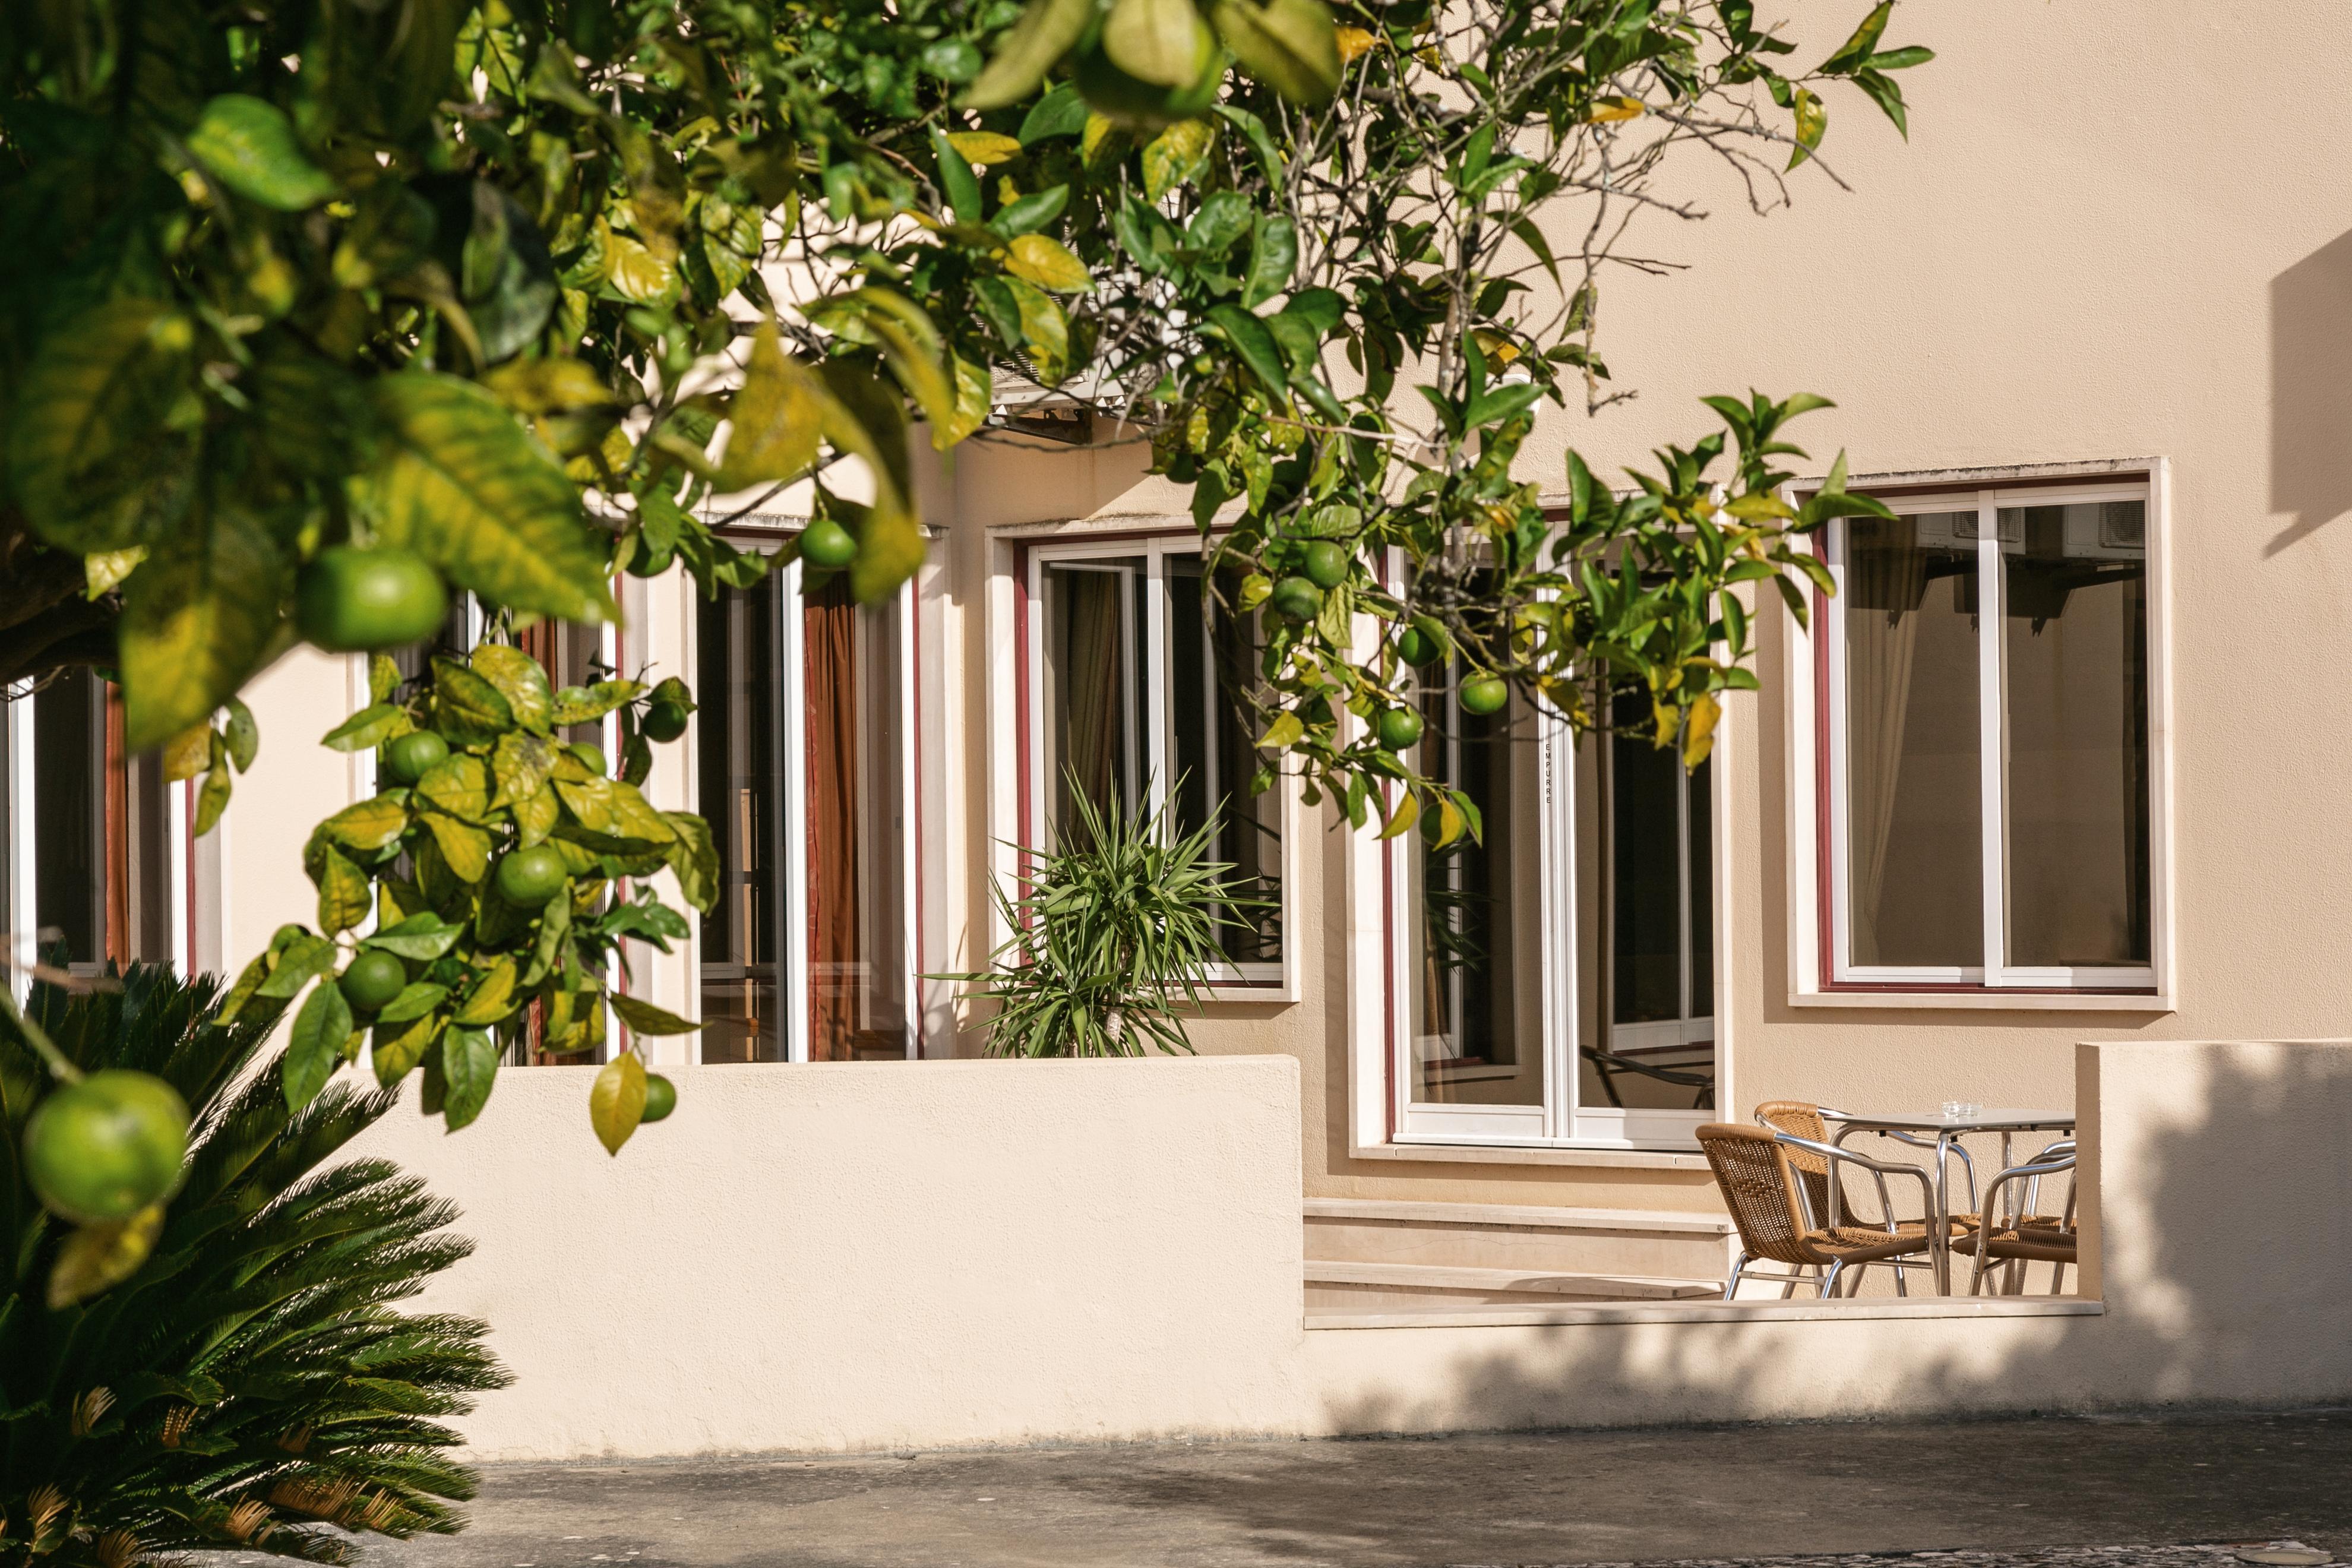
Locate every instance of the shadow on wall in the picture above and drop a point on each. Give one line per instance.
(2311, 393)
(2226, 1205)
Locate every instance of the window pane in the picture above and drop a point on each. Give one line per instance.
(1474, 1028)
(1914, 813)
(2075, 639)
(1215, 758)
(1091, 639)
(741, 766)
(858, 972)
(1699, 875)
(1645, 860)
(70, 815)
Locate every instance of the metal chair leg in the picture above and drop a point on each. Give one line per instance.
(1731, 1286)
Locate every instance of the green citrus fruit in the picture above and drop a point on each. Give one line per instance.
(664, 722)
(107, 1147)
(1398, 728)
(827, 544)
(529, 878)
(1325, 564)
(351, 600)
(412, 756)
(372, 979)
(589, 755)
(1483, 694)
(1419, 645)
(661, 1098)
(1297, 598)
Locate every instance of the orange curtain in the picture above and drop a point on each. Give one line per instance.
(830, 660)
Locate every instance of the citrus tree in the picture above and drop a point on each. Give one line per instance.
(315, 310)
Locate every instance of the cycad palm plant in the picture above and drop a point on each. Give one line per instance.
(1113, 940)
(250, 1386)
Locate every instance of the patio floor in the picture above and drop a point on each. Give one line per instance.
(2015, 1489)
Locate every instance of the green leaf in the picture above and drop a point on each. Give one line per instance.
(1286, 731)
(1032, 212)
(1270, 161)
(248, 145)
(492, 998)
(302, 960)
(463, 485)
(466, 708)
(1291, 46)
(1044, 329)
(197, 619)
(314, 1046)
(393, 1052)
(96, 1258)
(1061, 112)
(244, 736)
(586, 704)
(459, 785)
(1858, 48)
(1274, 256)
(469, 1068)
(694, 860)
(368, 729)
(369, 825)
(416, 998)
(93, 465)
(1044, 33)
(1047, 263)
(344, 893)
(1256, 347)
(645, 1018)
(424, 937)
(466, 849)
(1499, 403)
(776, 418)
(1176, 155)
(383, 677)
(521, 681)
(957, 182)
(1159, 41)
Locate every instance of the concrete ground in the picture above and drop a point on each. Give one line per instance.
(2015, 1487)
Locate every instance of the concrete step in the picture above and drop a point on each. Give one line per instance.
(1406, 1286)
(1526, 1237)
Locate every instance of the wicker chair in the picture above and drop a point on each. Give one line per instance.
(2028, 1237)
(1802, 1119)
(1754, 1166)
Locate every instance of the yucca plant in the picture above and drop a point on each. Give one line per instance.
(250, 1386)
(1112, 941)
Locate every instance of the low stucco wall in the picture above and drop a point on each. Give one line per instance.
(848, 1256)
(874, 1256)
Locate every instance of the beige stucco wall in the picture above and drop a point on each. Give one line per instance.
(875, 1255)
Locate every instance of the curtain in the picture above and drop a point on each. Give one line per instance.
(1886, 577)
(828, 627)
(1092, 721)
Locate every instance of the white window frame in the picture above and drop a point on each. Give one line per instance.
(792, 864)
(1689, 1029)
(1226, 981)
(1821, 974)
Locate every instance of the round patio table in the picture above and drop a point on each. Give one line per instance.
(1915, 1128)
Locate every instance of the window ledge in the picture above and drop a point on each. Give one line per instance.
(1606, 1312)
(2000, 1001)
(1550, 1154)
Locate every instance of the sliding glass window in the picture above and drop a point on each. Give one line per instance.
(1989, 788)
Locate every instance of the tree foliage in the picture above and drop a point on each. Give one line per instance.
(522, 285)
(250, 1386)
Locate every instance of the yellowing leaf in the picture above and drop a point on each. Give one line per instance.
(984, 146)
(492, 997)
(635, 272)
(1759, 505)
(1450, 822)
(1353, 41)
(616, 1102)
(103, 573)
(187, 753)
(1163, 42)
(1047, 263)
(459, 785)
(1177, 154)
(1286, 731)
(777, 417)
(464, 486)
(197, 619)
(521, 681)
(1407, 813)
(1609, 110)
(1029, 49)
(1698, 729)
(465, 849)
(93, 469)
(249, 144)
(96, 1258)
(368, 824)
(645, 1018)
(1812, 119)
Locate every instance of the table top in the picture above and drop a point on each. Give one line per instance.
(1992, 1119)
